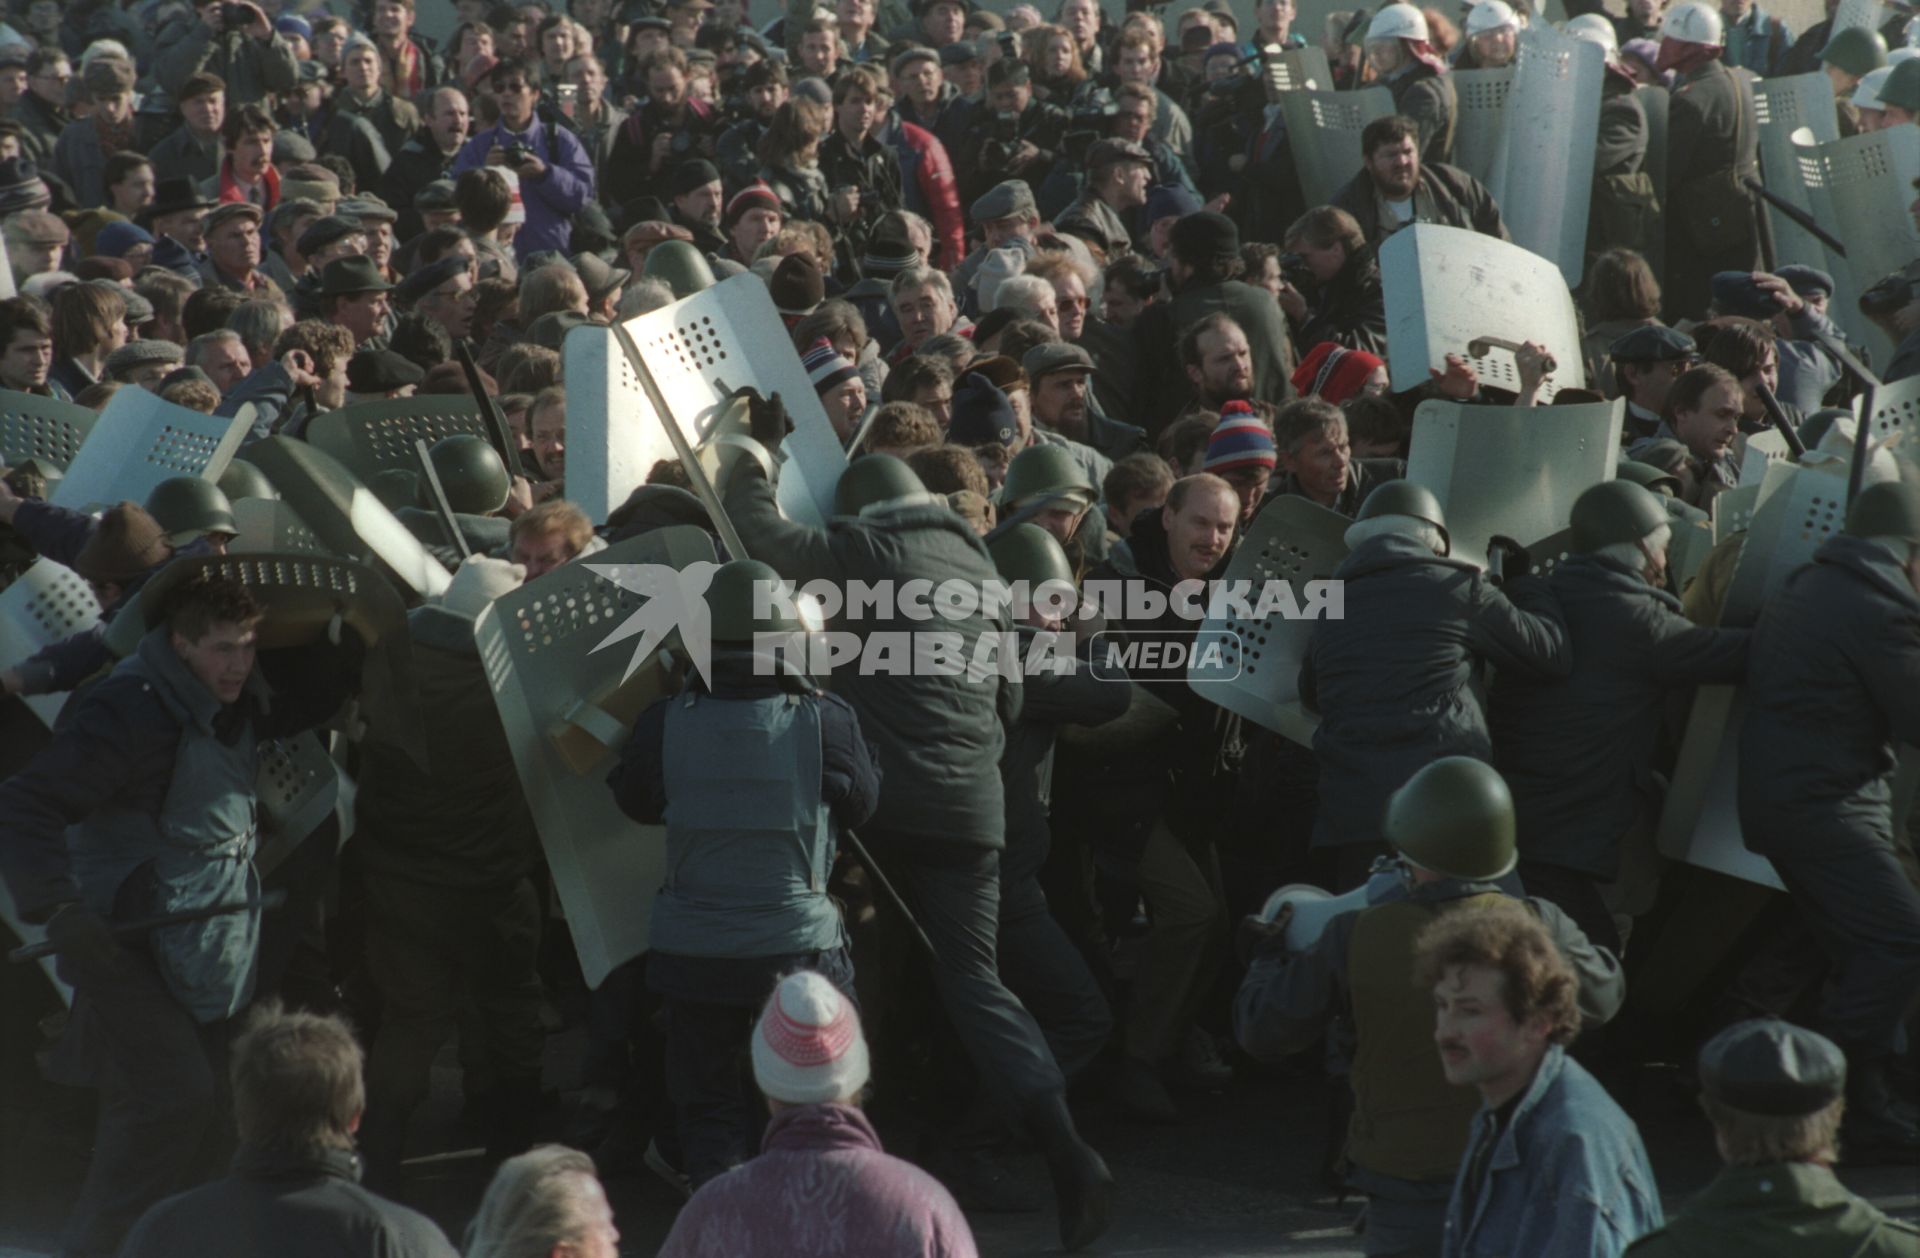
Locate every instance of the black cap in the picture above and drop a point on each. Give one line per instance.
(1108, 151)
(326, 231)
(432, 276)
(1204, 237)
(1654, 343)
(355, 274)
(380, 371)
(1735, 293)
(1765, 1066)
(981, 413)
(697, 173)
(959, 54)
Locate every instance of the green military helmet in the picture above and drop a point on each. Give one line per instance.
(1403, 497)
(1029, 553)
(874, 482)
(471, 473)
(747, 597)
(189, 508)
(1902, 88)
(1653, 479)
(1615, 511)
(1455, 818)
(1041, 471)
(680, 267)
(1856, 50)
(1888, 509)
(243, 480)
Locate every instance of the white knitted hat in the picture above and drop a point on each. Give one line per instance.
(807, 1048)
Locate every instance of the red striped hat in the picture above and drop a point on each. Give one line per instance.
(807, 1048)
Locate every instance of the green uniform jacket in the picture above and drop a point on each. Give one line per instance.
(1790, 1210)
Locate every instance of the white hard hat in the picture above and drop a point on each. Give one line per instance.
(1695, 23)
(1398, 21)
(1490, 15)
(1866, 94)
(1595, 29)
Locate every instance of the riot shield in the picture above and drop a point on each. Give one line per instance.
(1447, 287)
(1511, 471)
(44, 428)
(1896, 411)
(1297, 70)
(344, 514)
(369, 436)
(297, 786)
(139, 441)
(1871, 14)
(1543, 170)
(1790, 523)
(1783, 107)
(1692, 542)
(1324, 130)
(1860, 188)
(1295, 540)
(47, 603)
(1732, 511)
(1480, 127)
(267, 524)
(1700, 822)
(567, 708)
(1757, 451)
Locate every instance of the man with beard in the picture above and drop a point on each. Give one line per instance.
(763, 89)
(670, 129)
(1396, 186)
(698, 199)
(1218, 361)
(1057, 374)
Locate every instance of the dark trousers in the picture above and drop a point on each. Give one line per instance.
(1040, 965)
(161, 1075)
(1859, 903)
(432, 952)
(954, 892)
(712, 1005)
(1578, 896)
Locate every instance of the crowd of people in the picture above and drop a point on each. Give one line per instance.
(1063, 297)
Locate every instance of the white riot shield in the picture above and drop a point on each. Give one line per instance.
(1480, 126)
(1543, 172)
(1298, 70)
(44, 428)
(1871, 14)
(1511, 471)
(269, 525)
(140, 441)
(1861, 187)
(1757, 451)
(567, 713)
(47, 603)
(1324, 129)
(1896, 411)
(1446, 287)
(297, 786)
(1700, 823)
(1295, 540)
(697, 351)
(344, 514)
(1784, 106)
(1733, 511)
(370, 436)
(1808, 507)
(1691, 544)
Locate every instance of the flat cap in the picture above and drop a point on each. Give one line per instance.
(1004, 200)
(322, 232)
(1735, 293)
(1806, 280)
(437, 195)
(1106, 152)
(353, 274)
(960, 53)
(1765, 1066)
(381, 371)
(364, 207)
(1051, 356)
(432, 276)
(222, 214)
(1654, 343)
(139, 354)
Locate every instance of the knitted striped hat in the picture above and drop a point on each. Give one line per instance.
(1240, 439)
(1333, 373)
(807, 1048)
(826, 366)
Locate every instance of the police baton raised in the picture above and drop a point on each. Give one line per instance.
(499, 435)
(866, 858)
(46, 948)
(438, 492)
(1778, 418)
(1806, 221)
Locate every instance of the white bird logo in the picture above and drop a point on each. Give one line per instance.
(675, 599)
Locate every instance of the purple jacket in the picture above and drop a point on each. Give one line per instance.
(822, 1187)
(551, 201)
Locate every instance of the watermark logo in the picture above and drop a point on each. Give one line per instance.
(972, 629)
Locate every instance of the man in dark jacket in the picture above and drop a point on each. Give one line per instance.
(1833, 686)
(1398, 186)
(453, 919)
(1204, 248)
(1578, 751)
(1315, 460)
(428, 156)
(144, 804)
(1391, 679)
(1349, 306)
(941, 820)
(293, 1189)
(251, 58)
(1713, 141)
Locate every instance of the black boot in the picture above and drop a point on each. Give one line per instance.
(1082, 1184)
(1875, 1131)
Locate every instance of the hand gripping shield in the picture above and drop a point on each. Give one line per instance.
(1511, 471)
(695, 352)
(368, 437)
(44, 428)
(1324, 129)
(140, 441)
(567, 708)
(1447, 287)
(344, 515)
(1480, 128)
(1543, 172)
(1295, 541)
(47, 603)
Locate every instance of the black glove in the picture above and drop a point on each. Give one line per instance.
(83, 937)
(767, 420)
(1507, 560)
